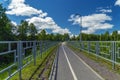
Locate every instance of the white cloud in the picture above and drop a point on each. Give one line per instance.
(89, 31)
(92, 22)
(41, 21)
(118, 31)
(117, 3)
(61, 31)
(14, 28)
(47, 23)
(73, 35)
(14, 23)
(19, 8)
(105, 10)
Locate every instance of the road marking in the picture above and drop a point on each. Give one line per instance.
(88, 66)
(71, 69)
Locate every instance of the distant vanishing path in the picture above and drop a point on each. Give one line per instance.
(71, 67)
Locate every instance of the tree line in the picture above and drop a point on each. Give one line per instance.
(114, 36)
(24, 31)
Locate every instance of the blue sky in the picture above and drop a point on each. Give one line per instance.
(57, 16)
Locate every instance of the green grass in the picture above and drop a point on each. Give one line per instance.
(46, 73)
(105, 48)
(5, 74)
(99, 60)
(28, 70)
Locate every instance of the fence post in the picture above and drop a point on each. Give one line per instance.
(45, 46)
(19, 53)
(115, 51)
(41, 48)
(34, 52)
(97, 49)
(82, 45)
(89, 46)
(113, 55)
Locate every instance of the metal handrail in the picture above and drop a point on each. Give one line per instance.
(19, 54)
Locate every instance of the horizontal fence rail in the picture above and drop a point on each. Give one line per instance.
(21, 54)
(108, 50)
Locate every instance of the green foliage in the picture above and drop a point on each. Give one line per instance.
(99, 37)
(53, 37)
(29, 69)
(114, 35)
(42, 35)
(32, 31)
(23, 30)
(66, 37)
(5, 26)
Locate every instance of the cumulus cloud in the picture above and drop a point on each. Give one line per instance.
(38, 17)
(117, 3)
(19, 8)
(14, 23)
(61, 31)
(118, 31)
(47, 23)
(73, 35)
(92, 22)
(105, 10)
(14, 28)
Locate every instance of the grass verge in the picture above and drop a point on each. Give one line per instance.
(29, 69)
(97, 59)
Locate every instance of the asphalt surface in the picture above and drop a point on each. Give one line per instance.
(72, 67)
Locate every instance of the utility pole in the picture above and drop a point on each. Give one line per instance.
(80, 20)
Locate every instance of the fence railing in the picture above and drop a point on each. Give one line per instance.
(18, 54)
(108, 50)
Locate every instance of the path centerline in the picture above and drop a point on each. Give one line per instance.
(71, 69)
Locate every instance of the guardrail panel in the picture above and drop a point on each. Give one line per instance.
(23, 53)
(109, 50)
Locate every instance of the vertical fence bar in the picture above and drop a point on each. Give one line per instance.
(41, 48)
(19, 52)
(34, 52)
(9, 46)
(82, 45)
(89, 46)
(97, 49)
(113, 55)
(45, 46)
(115, 51)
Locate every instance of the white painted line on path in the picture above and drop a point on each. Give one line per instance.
(71, 69)
(88, 66)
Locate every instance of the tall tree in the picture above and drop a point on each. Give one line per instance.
(32, 31)
(42, 35)
(5, 26)
(114, 35)
(106, 36)
(66, 37)
(23, 30)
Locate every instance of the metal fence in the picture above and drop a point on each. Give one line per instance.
(108, 50)
(21, 54)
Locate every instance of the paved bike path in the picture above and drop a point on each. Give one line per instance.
(72, 67)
